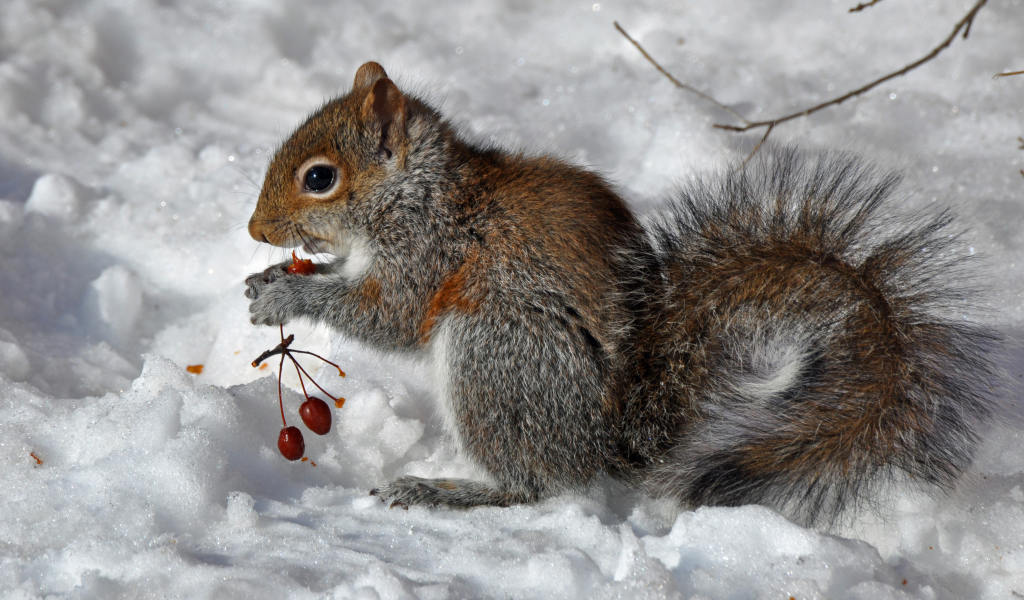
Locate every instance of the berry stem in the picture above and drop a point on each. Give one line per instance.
(298, 366)
(298, 371)
(340, 372)
(280, 398)
(284, 350)
(280, 370)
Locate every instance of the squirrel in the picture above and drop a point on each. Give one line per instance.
(773, 336)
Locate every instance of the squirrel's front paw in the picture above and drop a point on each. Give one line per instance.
(255, 283)
(271, 304)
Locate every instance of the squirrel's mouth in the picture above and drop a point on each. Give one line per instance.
(316, 246)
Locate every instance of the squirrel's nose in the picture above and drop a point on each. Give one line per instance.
(255, 232)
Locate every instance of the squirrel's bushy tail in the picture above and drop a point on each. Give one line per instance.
(814, 344)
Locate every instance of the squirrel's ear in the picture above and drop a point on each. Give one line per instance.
(367, 75)
(384, 114)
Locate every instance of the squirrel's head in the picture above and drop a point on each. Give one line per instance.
(331, 160)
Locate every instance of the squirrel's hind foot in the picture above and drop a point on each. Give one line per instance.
(459, 493)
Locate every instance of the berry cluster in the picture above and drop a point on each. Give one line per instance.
(314, 412)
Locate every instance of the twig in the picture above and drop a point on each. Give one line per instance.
(678, 84)
(998, 75)
(284, 350)
(964, 24)
(1021, 140)
(1022, 172)
(864, 5)
(281, 348)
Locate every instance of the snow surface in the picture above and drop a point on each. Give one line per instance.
(131, 135)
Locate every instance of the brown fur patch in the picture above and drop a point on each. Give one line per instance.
(370, 293)
(455, 293)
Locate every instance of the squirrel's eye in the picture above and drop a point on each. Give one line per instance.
(319, 179)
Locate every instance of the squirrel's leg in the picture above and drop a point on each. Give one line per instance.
(525, 395)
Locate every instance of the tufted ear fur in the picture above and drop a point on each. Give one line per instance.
(383, 113)
(367, 75)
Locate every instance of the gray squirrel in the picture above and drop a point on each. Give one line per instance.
(774, 336)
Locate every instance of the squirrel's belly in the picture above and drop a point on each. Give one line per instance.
(438, 353)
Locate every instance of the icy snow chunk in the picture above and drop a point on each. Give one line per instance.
(241, 514)
(54, 195)
(630, 550)
(117, 293)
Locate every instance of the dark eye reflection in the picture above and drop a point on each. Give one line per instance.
(319, 178)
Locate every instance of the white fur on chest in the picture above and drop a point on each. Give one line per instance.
(358, 254)
(360, 257)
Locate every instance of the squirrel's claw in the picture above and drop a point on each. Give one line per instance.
(384, 495)
(268, 305)
(255, 283)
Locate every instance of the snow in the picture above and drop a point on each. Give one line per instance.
(133, 134)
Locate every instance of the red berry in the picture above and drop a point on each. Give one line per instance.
(301, 266)
(290, 443)
(316, 415)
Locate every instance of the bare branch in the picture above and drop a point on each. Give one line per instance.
(864, 5)
(678, 84)
(964, 24)
(998, 75)
(757, 147)
(1021, 140)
